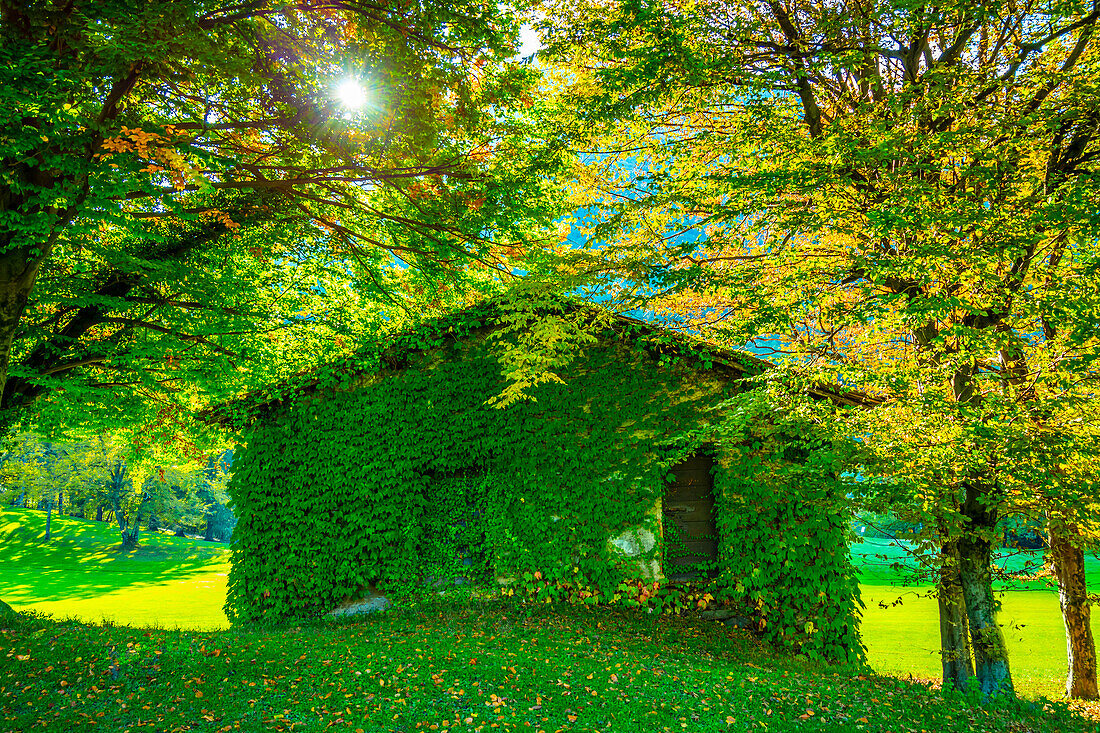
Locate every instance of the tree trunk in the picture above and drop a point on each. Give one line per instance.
(119, 517)
(130, 538)
(129, 529)
(976, 576)
(49, 515)
(1069, 569)
(99, 513)
(18, 272)
(60, 504)
(958, 666)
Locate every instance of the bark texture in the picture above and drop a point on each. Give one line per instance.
(18, 273)
(1069, 568)
(958, 665)
(975, 549)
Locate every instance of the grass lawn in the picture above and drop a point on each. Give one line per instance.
(453, 667)
(167, 581)
(463, 668)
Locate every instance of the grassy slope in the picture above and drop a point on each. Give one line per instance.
(903, 638)
(82, 573)
(172, 582)
(461, 668)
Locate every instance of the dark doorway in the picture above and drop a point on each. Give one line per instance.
(691, 533)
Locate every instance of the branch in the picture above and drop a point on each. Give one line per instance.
(120, 89)
(1089, 24)
(1026, 49)
(198, 338)
(73, 365)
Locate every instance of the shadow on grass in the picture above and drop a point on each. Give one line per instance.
(85, 559)
(459, 668)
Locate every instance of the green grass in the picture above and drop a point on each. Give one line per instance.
(901, 620)
(258, 678)
(463, 668)
(82, 573)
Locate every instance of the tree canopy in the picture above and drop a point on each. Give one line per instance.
(183, 180)
(198, 197)
(893, 195)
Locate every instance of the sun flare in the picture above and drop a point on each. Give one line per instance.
(351, 93)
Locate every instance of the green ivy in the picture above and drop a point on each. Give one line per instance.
(406, 479)
(780, 493)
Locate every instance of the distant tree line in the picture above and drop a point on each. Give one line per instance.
(1017, 531)
(94, 480)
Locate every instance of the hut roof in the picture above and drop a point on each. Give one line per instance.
(394, 351)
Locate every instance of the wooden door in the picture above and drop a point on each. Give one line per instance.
(691, 533)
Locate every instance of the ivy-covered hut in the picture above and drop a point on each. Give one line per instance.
(393, 470)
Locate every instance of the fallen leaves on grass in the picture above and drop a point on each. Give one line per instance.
(464, 668)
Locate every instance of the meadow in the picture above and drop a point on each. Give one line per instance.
(901, 618)
(82, 573)
(165, 658)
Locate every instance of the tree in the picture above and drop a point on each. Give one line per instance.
(102, 472)
(214, 492)
(133, 342)
(180, 175)
(194, 498)
(898, 196)
(42, 474)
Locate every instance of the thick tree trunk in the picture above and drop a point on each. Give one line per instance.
(976, 576)
(18, 272)
(128, 530)
(958, 666)
(1069, 569)
(99, 513)
(130, 538)
(131, 527)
